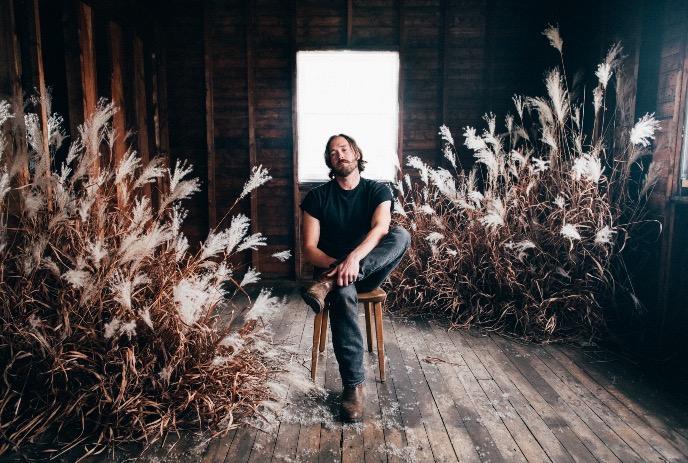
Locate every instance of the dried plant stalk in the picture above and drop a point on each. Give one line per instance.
(530, 240)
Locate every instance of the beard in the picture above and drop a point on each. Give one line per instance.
(344, 169)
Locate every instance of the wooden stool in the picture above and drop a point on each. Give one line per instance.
(372, 303)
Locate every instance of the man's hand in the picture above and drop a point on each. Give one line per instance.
(346, 272)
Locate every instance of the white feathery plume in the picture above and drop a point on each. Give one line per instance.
(127, 166)
(604, 235)
(193, 296)
(446, 135)
(491, 120)
(264, 305)
(557, 94)
(543, 109)
(552, 34)
(215, 243)
(509, 122)
(165, 374)
(399, 209)
(259, 176)
(251, 276)
(237, 230)
(518, 103)
(145, 316)
(488, 158)
(407, 179)
(252, 242)
(180, 189)
(560, 202)
(434, 237)
(77, 278)
(444, 181)
(451, 252)
(475, 196)
(4, 185)
(520, 248)
(473, 141)
(97, 252)
(644, 130)
(282, 256)
(153, 171)
(549, 138)
(597, 99)
(416, 163)
(496, 215)
(5, 113)
(427, 209)
(654, 172)
(112, 327)
(539, 165)
(449, 155)
(134, 248)
(140, 214)
(570, 231)
(128, 328)
(587, 167)
(604, 72)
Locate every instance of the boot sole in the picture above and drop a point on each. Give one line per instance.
(312, 302)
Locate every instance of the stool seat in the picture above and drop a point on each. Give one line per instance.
(372, 304)
(376, 295)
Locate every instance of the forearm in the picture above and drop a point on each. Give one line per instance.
(369, 242)
(317, 257)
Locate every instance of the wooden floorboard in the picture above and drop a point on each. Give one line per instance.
(455, 395)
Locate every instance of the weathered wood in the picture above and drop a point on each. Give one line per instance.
(119, 121)
(208, 15)
(141, 103)
(11, 68)
(251, 114)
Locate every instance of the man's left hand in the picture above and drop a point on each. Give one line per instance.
(346, 272)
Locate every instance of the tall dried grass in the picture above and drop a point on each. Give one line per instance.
(109, 327)
(530, 240)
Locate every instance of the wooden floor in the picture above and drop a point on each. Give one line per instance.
(461, 396)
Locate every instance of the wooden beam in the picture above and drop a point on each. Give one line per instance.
(162, 137)
(11, 90)
(349, 21)
(89, 83)
(402, 57)
(141, 104)
(296, 195)
(209, 112)
(34, 76)
(444, 58)
(251, 104)
(119, 121)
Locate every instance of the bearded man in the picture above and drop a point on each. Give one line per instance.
(348, 239)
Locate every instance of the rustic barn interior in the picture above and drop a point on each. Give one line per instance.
(214, 82)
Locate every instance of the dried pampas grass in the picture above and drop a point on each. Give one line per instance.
(109, 327)
(536, 251)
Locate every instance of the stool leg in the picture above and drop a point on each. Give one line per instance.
(367, 306)
(317, 324)
(380, 340)
(323, 330)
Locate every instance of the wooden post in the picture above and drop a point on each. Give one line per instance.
(250, 90)
(209, 114)
(119, 121)
(140, 104)
(11, 90)
(402, 57)
(162, 133)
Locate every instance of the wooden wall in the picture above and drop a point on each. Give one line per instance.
(459, 59)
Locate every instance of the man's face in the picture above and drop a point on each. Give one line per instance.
(342, 157)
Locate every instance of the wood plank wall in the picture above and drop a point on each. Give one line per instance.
(445, 78)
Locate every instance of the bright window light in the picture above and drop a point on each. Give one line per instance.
(350, 92)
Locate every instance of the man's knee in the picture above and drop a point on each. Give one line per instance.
(400, 235)
(343, 294)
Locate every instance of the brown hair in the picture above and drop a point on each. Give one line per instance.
(352, 144)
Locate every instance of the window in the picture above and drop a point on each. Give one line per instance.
(350, 92)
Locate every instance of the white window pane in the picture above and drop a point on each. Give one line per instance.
(355, 93)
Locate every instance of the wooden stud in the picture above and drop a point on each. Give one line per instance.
(162, 136)
(119, 121)
(12, 88)
(141, 104)
(209, 112)
(349, 21)
(296, 194)
(402, 57)
(251, 104)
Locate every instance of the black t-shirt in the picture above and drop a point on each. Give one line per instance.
(345, 215)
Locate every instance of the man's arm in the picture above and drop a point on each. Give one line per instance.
(311, 236)
(347, 270)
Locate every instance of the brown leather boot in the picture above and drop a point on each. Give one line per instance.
(352, 404)
(315, 293)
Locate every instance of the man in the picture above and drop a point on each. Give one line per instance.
(347, 237)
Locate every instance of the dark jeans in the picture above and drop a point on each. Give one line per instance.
(347, 339)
